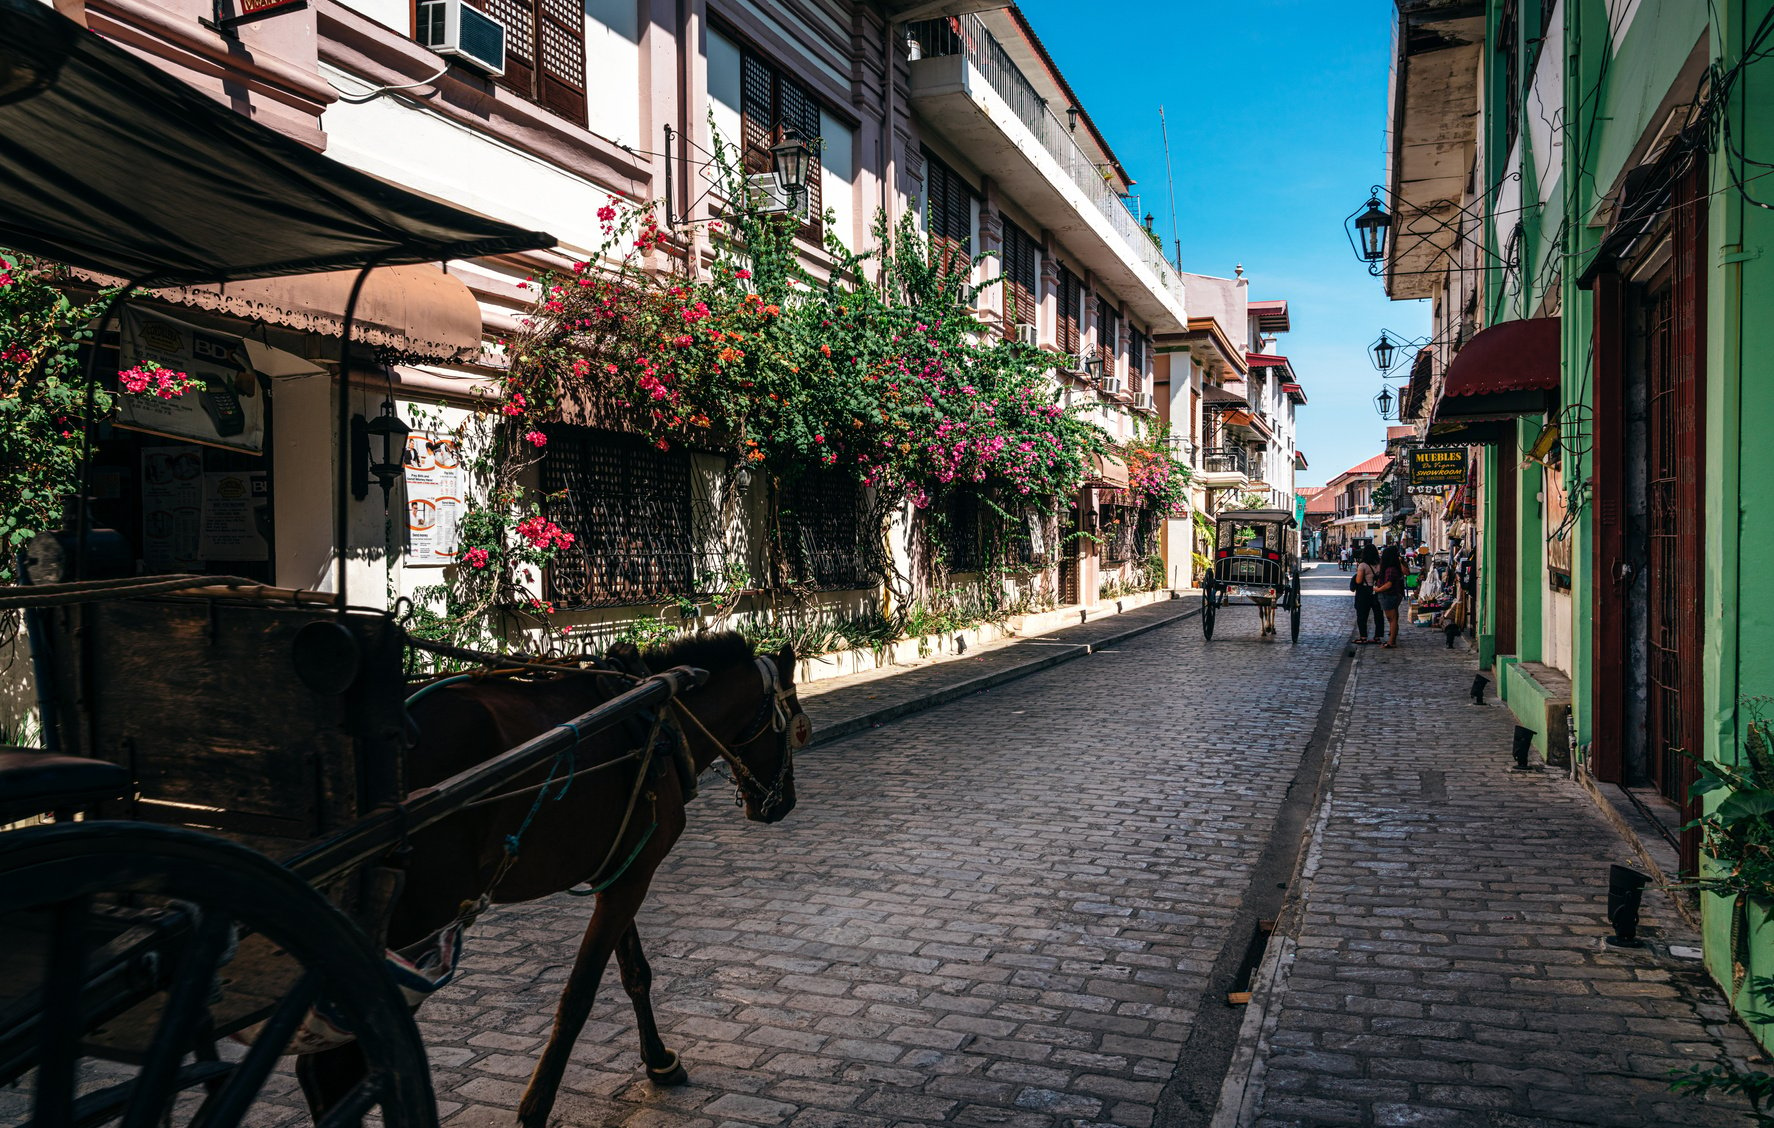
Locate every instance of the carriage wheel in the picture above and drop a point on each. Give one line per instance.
(1208, 599)
(134, 949)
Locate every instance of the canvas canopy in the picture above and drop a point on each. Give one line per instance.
(108, 164)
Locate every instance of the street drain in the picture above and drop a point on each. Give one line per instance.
(1253, 959)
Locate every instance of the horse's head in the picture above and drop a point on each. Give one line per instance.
(747, 714)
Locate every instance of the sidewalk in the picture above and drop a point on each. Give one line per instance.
(1440, 961)
(839, 707)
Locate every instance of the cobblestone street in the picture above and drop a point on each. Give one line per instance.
(1022, 910)
(1000, 912)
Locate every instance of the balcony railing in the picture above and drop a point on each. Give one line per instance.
(1226, 460)
(967, 35)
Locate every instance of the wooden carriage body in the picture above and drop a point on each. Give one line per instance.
(272, 721)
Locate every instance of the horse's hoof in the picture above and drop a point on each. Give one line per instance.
(671, 1076)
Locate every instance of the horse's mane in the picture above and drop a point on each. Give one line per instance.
(713, 651)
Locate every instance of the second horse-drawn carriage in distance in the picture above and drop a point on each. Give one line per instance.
(251, 832)
(1255, 556)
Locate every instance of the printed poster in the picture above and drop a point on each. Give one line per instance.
(436, 485)
(236, 515)
(226, 410)
(172, 508)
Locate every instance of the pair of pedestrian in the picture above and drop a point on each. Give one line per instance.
(1378, 584)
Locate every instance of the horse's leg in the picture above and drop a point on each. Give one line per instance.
(327, 1076)
(614, 915)
(663, 1066)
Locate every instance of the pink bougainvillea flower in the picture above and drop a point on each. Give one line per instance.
(476, 557)
(536, 438)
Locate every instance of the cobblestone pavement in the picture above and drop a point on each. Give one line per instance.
(1447, 967)
(1001, 912)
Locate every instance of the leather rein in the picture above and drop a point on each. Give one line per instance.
(792, 729)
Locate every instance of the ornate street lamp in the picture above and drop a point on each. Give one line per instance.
(1383, 402)
(1384, 352)
(1372, 227)
(789, 160)
(393, 432)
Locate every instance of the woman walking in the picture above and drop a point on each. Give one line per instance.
(1362, 584)
(1389, 589)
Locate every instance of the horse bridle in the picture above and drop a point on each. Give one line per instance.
(793, 730)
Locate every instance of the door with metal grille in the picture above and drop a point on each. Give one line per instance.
(1675, 466)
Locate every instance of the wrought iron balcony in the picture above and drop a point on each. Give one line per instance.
(1226, 460)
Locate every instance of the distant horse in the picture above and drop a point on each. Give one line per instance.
(610, 826)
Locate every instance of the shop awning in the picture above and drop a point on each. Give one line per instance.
(1237, 417)
(1512, 368)
(107, 163)
(420, 311)
(1107, 470)
(1300, 460)
(1213, 393)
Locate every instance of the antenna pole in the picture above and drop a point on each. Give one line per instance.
(1170, 181)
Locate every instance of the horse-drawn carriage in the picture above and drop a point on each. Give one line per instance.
(1255, 556)
(249, 832)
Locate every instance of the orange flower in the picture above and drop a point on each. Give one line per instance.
(825, 350)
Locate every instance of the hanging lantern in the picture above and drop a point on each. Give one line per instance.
(1372, 227)
(1384, 351)
(393, 432)
(789, 160)
(1383, 402)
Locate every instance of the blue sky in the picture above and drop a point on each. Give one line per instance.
(1277, 117)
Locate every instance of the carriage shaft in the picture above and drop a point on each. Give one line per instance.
(386, 827)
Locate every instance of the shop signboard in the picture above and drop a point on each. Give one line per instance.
(1437, 466)
(226, 405)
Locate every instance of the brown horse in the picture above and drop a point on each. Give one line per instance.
(611, 825)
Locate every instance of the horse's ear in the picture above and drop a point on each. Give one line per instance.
(624, 655)
(785, 664)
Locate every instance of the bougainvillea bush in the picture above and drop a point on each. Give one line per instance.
(42, 405)
(1155, 475)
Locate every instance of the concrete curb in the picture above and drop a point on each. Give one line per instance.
(1056, 653)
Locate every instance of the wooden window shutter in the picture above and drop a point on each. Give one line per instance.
(560, 48)
(757, 108)
(1068, 312)
(950, 218)
(1018, 264)
(1108, 327)
(801, 113)
(519, 18)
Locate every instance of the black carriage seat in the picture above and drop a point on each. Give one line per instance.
(33, 782)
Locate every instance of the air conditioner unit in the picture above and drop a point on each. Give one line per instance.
(1111, 385)
(1027, 335)
(764, 196)
(452, 27)
(1145, 402)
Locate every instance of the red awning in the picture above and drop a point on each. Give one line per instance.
(1509, 369)
(1265, 360)
(1295, 391)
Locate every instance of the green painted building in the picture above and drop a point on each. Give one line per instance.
(1584, 190)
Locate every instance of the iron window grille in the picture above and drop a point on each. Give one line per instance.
(1120, 533)
(963, 533)
(821, 522)
(629, 508)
